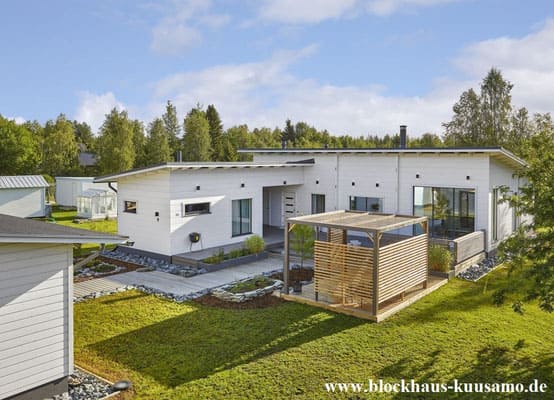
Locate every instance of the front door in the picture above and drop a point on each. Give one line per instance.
(289, 206)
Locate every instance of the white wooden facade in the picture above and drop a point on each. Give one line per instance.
(36, 314)
(390, 176)
(36, 304)
(68, 188)
(23, 196)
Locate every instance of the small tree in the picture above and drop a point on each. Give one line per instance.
(302, 242)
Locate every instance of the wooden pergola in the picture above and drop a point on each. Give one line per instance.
(364, 276)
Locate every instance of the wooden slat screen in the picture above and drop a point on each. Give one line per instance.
(337, 235)
(344, 272)
(402, 265)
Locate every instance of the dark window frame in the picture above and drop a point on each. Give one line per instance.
(352, 201)
(240, 217)
(192, 209)
(128, 208)
(318, 203)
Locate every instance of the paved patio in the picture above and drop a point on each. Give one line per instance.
(179, 285)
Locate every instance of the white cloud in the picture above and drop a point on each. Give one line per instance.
(298, 12)
(17, 119)
(526, 62)
(388, 7)
(93, 108)
(265, 93)
(181, 27)
(293, 11)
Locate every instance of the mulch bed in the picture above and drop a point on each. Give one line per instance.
(296, 275)
(259, 302)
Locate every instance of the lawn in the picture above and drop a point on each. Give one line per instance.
(66, 217)
(190, 351)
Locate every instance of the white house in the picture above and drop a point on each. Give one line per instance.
(97, 204)
(36, 305)
(23, 195)
(457, 188)
(68, 188)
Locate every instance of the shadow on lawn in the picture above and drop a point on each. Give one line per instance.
(207, 340)
(493, 364)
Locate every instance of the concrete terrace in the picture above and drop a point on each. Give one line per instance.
(175, 284)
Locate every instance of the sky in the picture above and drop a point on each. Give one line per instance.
(349, 66)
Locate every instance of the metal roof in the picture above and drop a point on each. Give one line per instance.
(97, 193)
(22, 181)
(496, 152)
(173, 166)
(21, 230)
(358, 220)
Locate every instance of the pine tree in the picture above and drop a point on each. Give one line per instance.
(157, 144)
(197, 136)
(116, 151)
(216, 133)
(172, 127)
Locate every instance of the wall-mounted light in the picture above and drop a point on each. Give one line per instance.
(376, 184)
(242, 184)
(130, 243)
(353, 183)
(198, 187)
(284, 182)
(317, 182)
(157, 214)
(417, 176)
(467, 177)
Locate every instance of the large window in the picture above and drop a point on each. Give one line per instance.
(451, 211)
(318, 203)
(371, 204)
(130, 206)
(196, 209)
(242, 217)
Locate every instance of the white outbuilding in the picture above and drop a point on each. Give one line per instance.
(23, 195)
(97, 204)
(68, 188)
(36, 305)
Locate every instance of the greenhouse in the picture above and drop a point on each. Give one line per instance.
(97, 204)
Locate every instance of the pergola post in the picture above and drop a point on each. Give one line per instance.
(375, 294)
(286, 261)
(425, 226)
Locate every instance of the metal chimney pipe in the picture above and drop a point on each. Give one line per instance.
(403, 139)
(179, 156)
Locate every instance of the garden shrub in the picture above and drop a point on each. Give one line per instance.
(254, 244)
(439, 258)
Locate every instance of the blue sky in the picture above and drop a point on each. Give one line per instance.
(349, 66)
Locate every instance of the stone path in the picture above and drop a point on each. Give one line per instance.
(175, 284)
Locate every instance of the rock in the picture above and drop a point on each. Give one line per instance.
(145, 269)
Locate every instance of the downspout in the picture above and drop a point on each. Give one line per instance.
(337, 184)
(111, 187)
(398, 183)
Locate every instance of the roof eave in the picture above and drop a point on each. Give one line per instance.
(62, 239)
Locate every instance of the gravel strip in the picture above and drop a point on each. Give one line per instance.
(477, 271)
(84, 386)
(158, 264)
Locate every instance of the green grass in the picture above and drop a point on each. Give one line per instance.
(66, 218)
(251, 284)
(189, 351)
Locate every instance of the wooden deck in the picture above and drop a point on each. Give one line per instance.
(386, 309)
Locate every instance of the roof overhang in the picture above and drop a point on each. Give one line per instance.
(358, 221)
(60, 239)
(177, 166)
(497, 153)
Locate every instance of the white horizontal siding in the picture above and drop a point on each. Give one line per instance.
(36, 345)
(25, 203)
(151, 193)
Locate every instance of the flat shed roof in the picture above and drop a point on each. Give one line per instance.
(174, 166)
(359, 220)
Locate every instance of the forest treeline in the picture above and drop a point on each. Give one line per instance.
(486, 118)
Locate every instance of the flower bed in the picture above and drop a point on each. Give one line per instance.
(247, 289)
